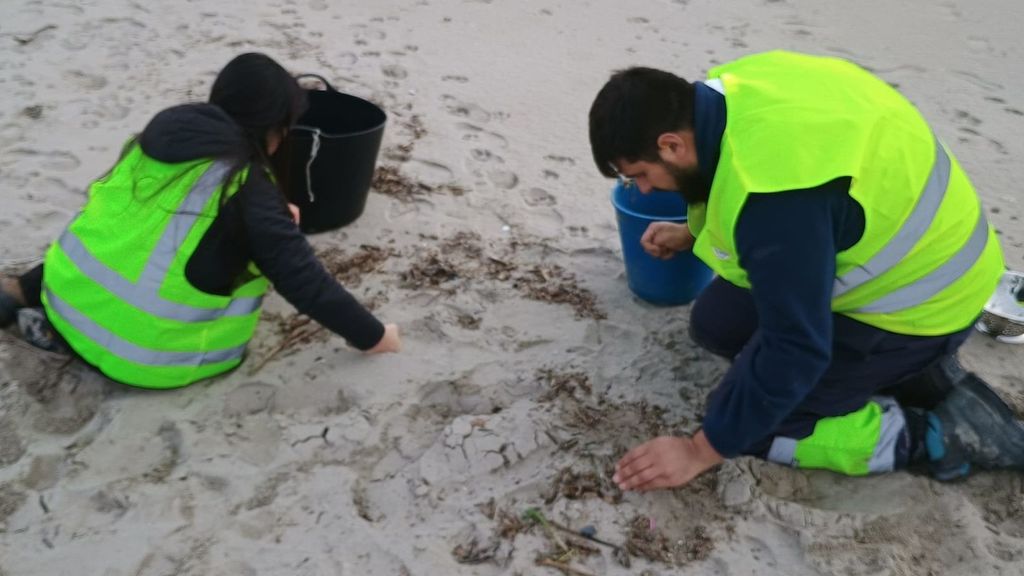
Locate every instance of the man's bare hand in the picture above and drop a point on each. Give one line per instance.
(665, 462)
(664, 239)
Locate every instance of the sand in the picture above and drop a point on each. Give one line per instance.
(528, 367)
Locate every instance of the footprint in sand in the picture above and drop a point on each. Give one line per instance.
(384, 99)
(249, 398)
(579, 231)
(979, 45)
(538, 197)
(430, 172)
(394, 71)
(484, 155)
(967, 118)
(85, 81)
(69, 398)
(76, 41)
(43, 472)
(979, 82)
(11, 134)
(11, 447)
(474, 133)
(345, 59)
(46, 218)
(11, 500)
(761, 552)
(566, 160)
(365, 34)
(461, 109)
(950, 11)
(29, 160)
(504, 179)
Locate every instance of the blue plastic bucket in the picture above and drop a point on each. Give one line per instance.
(671, 282)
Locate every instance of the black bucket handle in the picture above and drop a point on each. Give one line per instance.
(327, 85)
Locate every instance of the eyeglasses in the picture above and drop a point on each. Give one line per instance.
(625, 181)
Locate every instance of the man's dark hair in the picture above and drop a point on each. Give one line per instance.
(636, 106)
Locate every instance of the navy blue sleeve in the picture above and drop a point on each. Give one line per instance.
(285, 257)
(787, 244)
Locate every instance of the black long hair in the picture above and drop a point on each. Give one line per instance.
(263, 99)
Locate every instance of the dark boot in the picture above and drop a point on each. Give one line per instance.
(36, 330)
(932, 385)
(973, 426)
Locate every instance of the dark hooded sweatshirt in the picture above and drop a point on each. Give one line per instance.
(253, 225)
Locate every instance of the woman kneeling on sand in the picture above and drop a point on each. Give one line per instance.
(158, 282)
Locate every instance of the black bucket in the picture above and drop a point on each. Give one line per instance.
(326, 163)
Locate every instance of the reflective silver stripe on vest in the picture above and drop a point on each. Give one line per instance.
(930, 285)
(909, 234)
(132, 352)
(145, 293)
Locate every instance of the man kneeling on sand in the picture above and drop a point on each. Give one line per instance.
(853, 257)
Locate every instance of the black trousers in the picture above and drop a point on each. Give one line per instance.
(31, 283)
(866, 361)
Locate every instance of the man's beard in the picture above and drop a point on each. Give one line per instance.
(690, 183)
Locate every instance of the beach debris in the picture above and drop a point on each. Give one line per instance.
(589, 532)
(296, 330)
(563, 384)
(473, 552)
(699, 545)
(431, 271)
(645, 540)
(563, 566)
(464, 256)
(390, 181)
(11, 500)
(576, 485)
(488, 509)
(536, 516)
(35, 112)
(349, 269)
(552, 283)
(507, 524)
(468, 321)
(566, 547)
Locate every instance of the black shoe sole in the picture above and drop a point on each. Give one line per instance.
(982, 426)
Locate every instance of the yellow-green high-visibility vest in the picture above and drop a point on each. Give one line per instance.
(927, 261)
(114, 283)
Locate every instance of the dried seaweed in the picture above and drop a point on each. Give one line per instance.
(647, 542)
(576, 485)
(643, 540)
(552, 283)
(389, 181)
(431, 271)
(350, 269)
(473, 552)
(563, 384)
